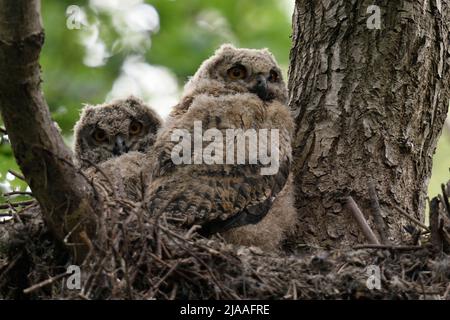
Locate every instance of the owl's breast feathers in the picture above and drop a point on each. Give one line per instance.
(220, 196)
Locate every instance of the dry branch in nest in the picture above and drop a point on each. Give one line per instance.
(135, 256)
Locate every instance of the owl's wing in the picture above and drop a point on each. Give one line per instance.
(218, 197)
(162, 163)
(260, 193)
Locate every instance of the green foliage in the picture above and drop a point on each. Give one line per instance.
(184, 41)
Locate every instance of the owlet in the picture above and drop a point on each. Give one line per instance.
(222, 160)
(112, 142)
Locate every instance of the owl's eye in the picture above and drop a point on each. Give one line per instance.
(135, 128)
(99, 135)
(274, 76)
(237, 72)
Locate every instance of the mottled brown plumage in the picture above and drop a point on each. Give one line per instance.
(221, 197)
(123, 176)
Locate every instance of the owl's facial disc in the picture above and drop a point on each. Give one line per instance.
(263, 83)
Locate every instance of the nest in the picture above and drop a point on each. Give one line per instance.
(139, 257)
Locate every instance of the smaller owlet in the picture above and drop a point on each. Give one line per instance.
(113, 129)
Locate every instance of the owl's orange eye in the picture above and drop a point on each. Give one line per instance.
(237, 72)
(274, 76)
(135, 128)
(99, 135)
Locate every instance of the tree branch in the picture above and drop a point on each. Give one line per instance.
(64, 196)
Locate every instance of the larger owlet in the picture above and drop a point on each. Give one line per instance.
(112, 142)
(240, 95)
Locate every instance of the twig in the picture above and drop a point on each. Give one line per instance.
(362, 222)
(16, 193)
(407, 216)
(17, 175)
(207, 267)
(20, 213)
(189, 241)
(4, 219)
(10, 266)
(14, 213)
(101, 172)
(168, 273)
(446, 293)
(67, 162)
(165, 263)
(45, 282)
(191, 231)
(173, 294)
(294, 291)
(22, 210)
(17, 204)
(387, 246)
(7, 215)
(376, 213)
(447, 125)
(436, 238)
(445, 199)
(69, 234)
(84, 237)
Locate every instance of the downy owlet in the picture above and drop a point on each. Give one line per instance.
(237, 102)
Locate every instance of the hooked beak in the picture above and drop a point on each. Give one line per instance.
(120, 147)
(261, 88)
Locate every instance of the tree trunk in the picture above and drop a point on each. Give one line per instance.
(64, 195)
(369, 105)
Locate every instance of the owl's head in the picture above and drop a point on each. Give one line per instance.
(239, 70)
(110, 130)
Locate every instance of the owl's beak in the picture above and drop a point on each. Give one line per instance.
(120, 146)
(260, 88)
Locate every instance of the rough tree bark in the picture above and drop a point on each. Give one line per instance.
(369, 104)
(64, 195)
